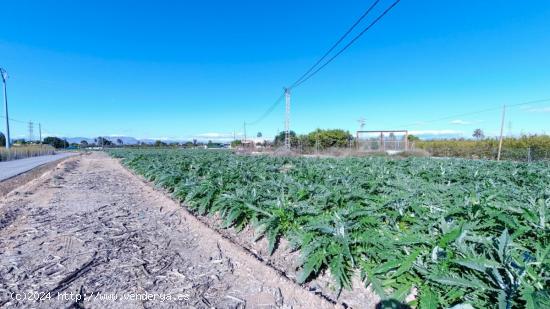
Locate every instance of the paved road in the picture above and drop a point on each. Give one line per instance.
(9, 169)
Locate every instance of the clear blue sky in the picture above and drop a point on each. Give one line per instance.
(182, 69)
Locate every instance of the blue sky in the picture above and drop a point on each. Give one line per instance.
(183, 69)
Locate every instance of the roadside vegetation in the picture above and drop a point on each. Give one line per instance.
(459, 232)
(25, 151)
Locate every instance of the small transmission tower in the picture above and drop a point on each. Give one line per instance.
(287, 118)
(31, 129)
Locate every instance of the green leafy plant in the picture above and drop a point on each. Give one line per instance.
(462, 234)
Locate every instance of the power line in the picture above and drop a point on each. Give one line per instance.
(475, 112)
(16, 120)
(337, 42)
(268, 111)
(308, 74)
(374, 22)
(529, 102)
(450, 117)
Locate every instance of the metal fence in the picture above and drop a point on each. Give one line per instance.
(392, 140)
(382, 145)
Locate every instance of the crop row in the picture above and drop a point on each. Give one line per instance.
(461, 232)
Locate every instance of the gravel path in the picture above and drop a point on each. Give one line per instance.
(91, 235)
(9, 169)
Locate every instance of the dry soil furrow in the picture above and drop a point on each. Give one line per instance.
(91, 228)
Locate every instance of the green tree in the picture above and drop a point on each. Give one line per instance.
(328, 138)
(101, 141)
(83, 143)
(119, 141)
(159, 143)
(236, 143)
(478, 134)
(412, 138)
(280, 139)
(56, 142)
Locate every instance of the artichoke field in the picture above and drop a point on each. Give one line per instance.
(463, 233)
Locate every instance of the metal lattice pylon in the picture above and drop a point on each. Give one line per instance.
(31, 131)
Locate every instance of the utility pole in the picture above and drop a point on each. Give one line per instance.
(317, 143)
(361, 123)
(287, 118)
(501, 130)
(244, 127)
(40, 132)
(4, 75)
(31, 128)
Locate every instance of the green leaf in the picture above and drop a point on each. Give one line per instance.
(428, 298)
(272, 235)
(477, 263)
(401, 292)
(377, 286)
(502, 244)
(450, 237)
(535, 299)
(502, 301)
(407, 264)
(458, 281)
(389, 265)
(340, 272)
(312, 264)
(527, 296)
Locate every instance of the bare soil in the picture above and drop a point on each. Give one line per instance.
(91, 228)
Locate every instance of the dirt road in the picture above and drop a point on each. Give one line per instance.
(91, 235)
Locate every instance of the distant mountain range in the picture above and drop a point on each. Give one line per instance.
(126, 140)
